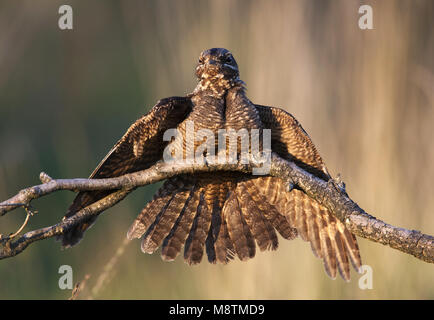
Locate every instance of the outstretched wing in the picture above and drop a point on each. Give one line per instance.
(290, 141)
(140, 147)
(329, 238)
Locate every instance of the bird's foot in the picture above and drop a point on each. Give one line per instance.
(289, 186)
(338, 183)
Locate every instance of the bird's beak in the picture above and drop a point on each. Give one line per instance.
(212, 65)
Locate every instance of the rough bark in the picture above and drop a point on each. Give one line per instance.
(330, 194)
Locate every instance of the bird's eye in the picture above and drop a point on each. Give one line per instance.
(201, 60)
(227, 59)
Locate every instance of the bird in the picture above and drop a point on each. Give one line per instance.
(222, 214)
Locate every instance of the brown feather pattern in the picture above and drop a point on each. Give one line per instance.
(269, 211)
(238, 230)
(139, 148)
(227, 213)
(329, 238)
(155, 207)
(175, 240)
(166, 220)
(260, 227)
(193, 250)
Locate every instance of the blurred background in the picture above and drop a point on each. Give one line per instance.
(366, 97)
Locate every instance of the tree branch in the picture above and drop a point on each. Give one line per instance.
(330, 194)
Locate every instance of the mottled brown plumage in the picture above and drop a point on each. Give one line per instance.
(223, 214)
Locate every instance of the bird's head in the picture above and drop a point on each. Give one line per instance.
(217, 70)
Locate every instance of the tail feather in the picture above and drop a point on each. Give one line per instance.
(328, 237)
(261, 228)
(193, 250)
(350, 242)
(329, 257)
(229, 218)
(273, 202)
(219, 246)
(223, 246)
(287, 207)
(339, 252)
(270, 211)
(273, 192)
(300, 214)
(166, 220)
(214, 230)
(343, 263)
(175, 240)
(238, 229)
(284, 228)
(148, 215)
(313, 228)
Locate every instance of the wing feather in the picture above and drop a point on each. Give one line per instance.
(290, 141)
(329, 238)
